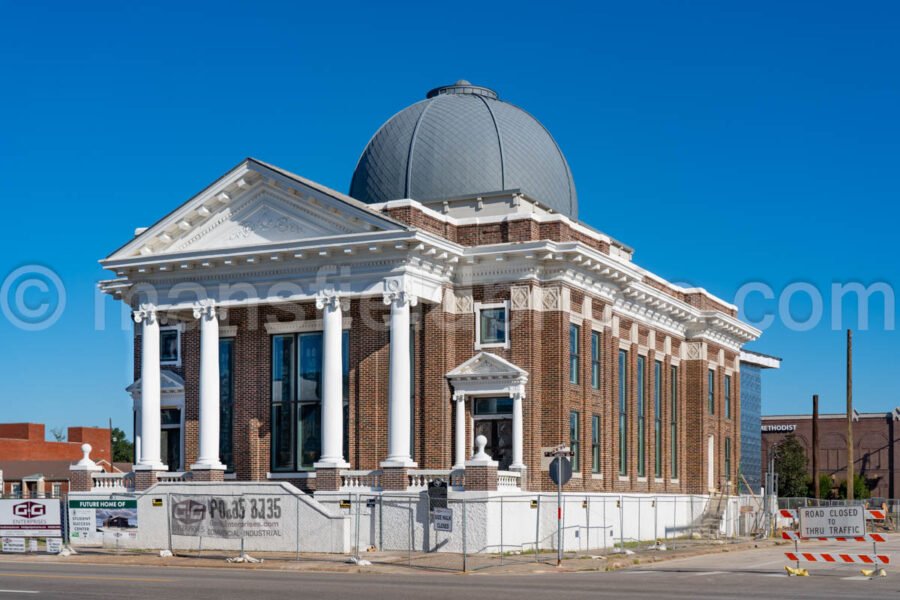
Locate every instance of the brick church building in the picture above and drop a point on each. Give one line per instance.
(288, 331)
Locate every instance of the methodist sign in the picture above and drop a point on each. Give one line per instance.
(832, 521)
(30, 518)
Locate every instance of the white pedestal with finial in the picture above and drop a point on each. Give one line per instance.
(82, 472)
(481, 469)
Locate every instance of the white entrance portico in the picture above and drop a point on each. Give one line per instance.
(488, 376)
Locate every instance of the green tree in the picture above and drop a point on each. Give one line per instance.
(122, 449)
(860, 488)
(790, 464)
(826, 483)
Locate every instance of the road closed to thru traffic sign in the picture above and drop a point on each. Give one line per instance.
(832, 521)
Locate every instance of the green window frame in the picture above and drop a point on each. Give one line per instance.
(226, 403)
(623, 412)
(575, 439)
(595, 360)
(711, 391)
(595, 444)
(728, 396)
(727, 459)
(657, 419)
(296, 402)
(641, 417)
(673, 434)
(574, 353)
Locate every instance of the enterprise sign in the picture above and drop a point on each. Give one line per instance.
(786, 428)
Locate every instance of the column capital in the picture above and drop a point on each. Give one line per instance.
(145, 313)
(459, 396)
(332, 299)
(205, 310)
(396, 292)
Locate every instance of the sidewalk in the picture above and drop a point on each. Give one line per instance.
(395, 562)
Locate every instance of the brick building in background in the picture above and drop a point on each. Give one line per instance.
(876, 446)
(286, 331)
(30, 466)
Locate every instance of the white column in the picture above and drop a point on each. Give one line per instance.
(137, 432)
(332, 452)
(398, 380)
(518, 438)
(208, 458)
(459, 399)
(150, 458)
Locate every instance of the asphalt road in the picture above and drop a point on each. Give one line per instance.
(756, 573)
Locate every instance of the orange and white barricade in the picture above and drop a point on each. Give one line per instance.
(876, 560)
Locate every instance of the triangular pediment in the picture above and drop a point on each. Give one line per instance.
(488, 365)
(255, 205)
(170, 383)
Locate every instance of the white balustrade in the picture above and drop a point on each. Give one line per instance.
(113, 482)
(508, 480)
(361, 480)
(173, 477)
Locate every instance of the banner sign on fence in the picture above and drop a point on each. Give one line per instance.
(93, 519)
(443, 519)
(14, 545)
(30, 518)
(226, 516)
(832, 521)
(54, 545)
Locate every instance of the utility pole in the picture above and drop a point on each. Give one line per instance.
(815, 446)
(850, 476)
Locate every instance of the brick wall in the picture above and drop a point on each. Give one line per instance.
(26, 441)
(443, 340)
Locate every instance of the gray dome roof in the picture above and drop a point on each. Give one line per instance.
(463, 140)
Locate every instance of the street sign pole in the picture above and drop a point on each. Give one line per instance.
(560, 473)
(559, 552)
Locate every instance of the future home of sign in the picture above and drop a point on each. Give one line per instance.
(832, 522)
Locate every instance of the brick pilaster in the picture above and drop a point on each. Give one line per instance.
(328, 480)
(394, 478)
(208, 475)
(481, 478)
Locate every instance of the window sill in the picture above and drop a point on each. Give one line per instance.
(624, 478)
(504, 345)
(658, 480)
(597, 476)
(292, 475)
(675, 481)
(642, 480)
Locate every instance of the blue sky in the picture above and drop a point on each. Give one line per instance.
(727, 144)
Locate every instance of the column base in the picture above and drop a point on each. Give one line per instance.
(208, 475)
(204, 466)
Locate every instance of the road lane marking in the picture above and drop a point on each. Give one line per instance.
(18, 592)
(90, 577)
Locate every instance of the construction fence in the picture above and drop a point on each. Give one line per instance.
(456, 533)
